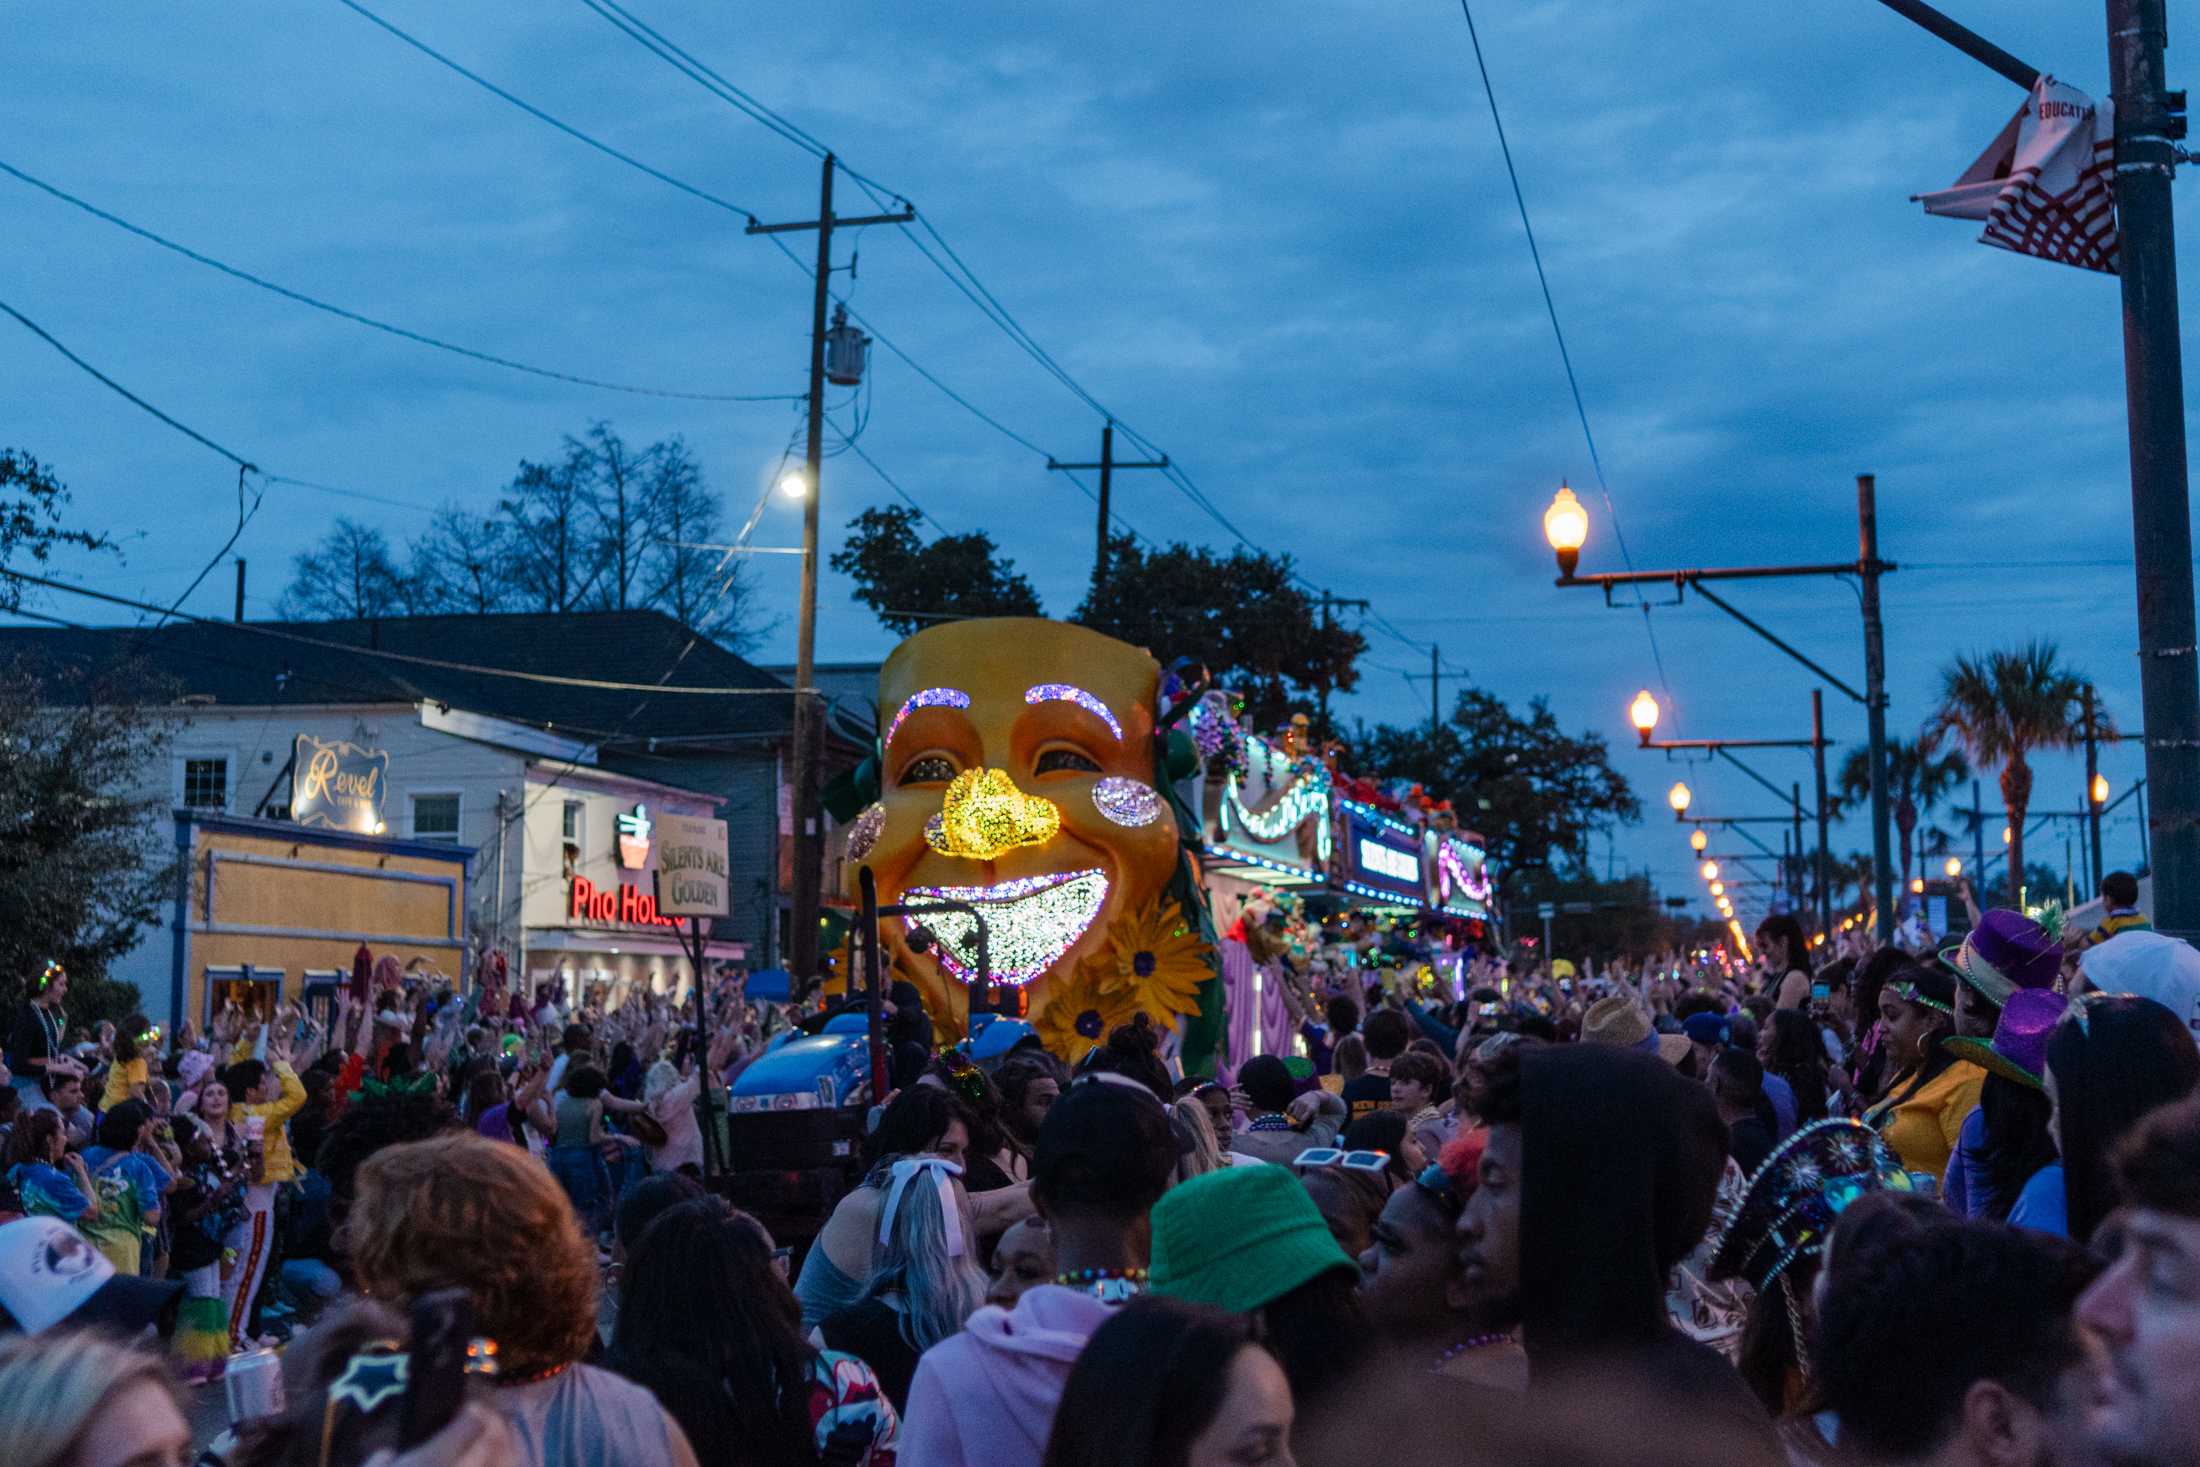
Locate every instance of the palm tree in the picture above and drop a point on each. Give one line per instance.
(1917, 779)
(2001, 706)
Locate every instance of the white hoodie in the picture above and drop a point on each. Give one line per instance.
(986, 1397)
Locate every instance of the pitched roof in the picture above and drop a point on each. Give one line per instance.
(300, 663)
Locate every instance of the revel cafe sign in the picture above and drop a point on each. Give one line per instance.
(337, 785)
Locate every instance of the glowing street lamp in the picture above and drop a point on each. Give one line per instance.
(1917, 886)
(2100, 789)
(1643, 714)
(1678, 797)
(1718, 888)
(1697, 840)
(1954, 868)
(1566, 526)
(2006, 835)
(1710, 870)
(795, 484)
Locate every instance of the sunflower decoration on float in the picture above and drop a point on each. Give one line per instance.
(1154, 960)
(1078, 1015)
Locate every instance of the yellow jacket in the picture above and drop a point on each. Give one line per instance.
(276, 1162)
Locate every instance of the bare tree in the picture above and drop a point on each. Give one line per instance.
(348, 575)
(555, 559)
(458, 565)
(702, 588)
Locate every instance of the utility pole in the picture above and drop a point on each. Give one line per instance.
(1818, 760)
(2148, 118)
(1107, 467)
(1326, 602)
(809, 860)
(1435, 690)
(240, 609)
(1875, 703)
(1795, 858)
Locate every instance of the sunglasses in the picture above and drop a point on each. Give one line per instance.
(1357, 1161)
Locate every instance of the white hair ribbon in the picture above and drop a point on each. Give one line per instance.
(944, 1173)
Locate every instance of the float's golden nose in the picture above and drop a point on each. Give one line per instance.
(983, 814)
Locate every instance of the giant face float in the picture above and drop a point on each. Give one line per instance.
(1019, 773)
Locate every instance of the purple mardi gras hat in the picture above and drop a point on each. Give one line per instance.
(2005, 952)
(2019, 1048)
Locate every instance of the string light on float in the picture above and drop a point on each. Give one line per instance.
(1566, 526)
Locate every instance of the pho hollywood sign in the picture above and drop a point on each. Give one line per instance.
(613, 906)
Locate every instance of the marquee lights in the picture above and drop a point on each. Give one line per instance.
(1030, 922)
(1067, 693)
(927, 698)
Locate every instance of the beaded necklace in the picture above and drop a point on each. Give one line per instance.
(1476, 1342)
(1108, 1285)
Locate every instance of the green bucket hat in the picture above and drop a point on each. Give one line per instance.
(1240, 1238)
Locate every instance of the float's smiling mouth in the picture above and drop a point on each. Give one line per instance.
(1030, 922)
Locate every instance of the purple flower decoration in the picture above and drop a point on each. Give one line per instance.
(1142, 964)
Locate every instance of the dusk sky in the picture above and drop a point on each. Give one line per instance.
(1276, 240)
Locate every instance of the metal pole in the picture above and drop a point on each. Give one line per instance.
(2154, 400)
(1978, 839)
(808, 839)
(2146, 854)
(1818, 769)
(1435, 690)
(1795, 867)
(240, 588)
(2092, 807)
(873, 992)
(1875, 700)
(1107, 482)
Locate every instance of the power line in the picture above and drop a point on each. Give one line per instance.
(369, 321)
(1550, 306)
(243, 465)
(533, 111)
(412, 659)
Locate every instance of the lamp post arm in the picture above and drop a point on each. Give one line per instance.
(1761, 630)
(1777, 792)
(1966, 40)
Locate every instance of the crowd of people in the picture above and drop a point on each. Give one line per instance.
(1898, 1206)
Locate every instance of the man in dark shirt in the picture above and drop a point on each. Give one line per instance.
(1386, 1032)
(1737, 1086)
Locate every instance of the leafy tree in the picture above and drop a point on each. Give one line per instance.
(1625, 917)
(2002, 706)
(1535, 793)
(348, 575)
(1242, 616)
(910, 584)
(30, 519)
(77, 882)
(1917, 780)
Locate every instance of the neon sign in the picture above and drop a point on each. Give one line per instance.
(634, 828)
(1378, 859)
(621, 905)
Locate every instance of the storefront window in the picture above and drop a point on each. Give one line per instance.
(435, 817)
(206, 784)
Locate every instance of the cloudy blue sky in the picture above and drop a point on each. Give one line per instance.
(1277, 240)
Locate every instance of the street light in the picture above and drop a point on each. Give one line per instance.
(1697, 840)
(2006, 835)
(1954, 868)
(1643, 714)
(795, 484)
(1566, 526)
(1718, 888)
(1678, 797)
(2100, 789)
(1710, 870)
(1917, 886)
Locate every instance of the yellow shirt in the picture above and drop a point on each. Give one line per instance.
(276, 1163)
(121, 1075)
(1923, 1128)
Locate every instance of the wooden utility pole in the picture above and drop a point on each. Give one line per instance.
(1107, 466)
(809, 860)
(1327, 601)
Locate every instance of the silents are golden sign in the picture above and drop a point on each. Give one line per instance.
(337, 785)
(691, 866)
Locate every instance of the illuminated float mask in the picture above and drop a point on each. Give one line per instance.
(1019, 772)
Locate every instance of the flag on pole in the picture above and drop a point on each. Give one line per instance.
(2045, 185)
